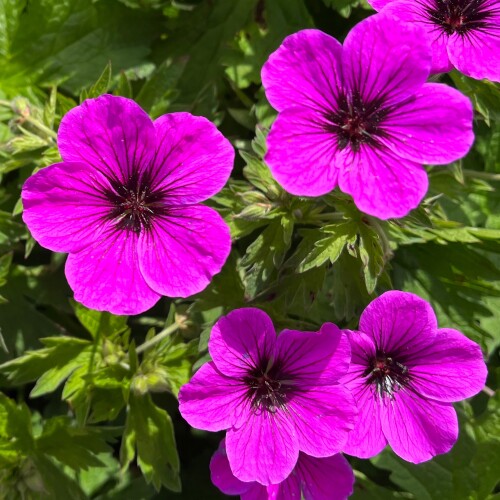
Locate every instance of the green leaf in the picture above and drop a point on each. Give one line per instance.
(344, 7)
(207, 47)
(51, 365)
(456, 280)
(371, 253)
(226, 289)
(329, 248)
(11, 231)
(99, 322)
(71, 41)
(266, 254)
(54, 483)
(484, 94)
(161, 87)
(10, 11)
(100, 87)
(149, 434)
(15, 428)
(364, 489)
(262, 36)
(469, 470)
(71, 445)
(124, 87)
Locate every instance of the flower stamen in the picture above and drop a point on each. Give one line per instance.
(387, 375)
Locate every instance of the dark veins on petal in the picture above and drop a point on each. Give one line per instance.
(268, 387)
(462, 16)
(387, 375)
(134, 202)
(355, 122)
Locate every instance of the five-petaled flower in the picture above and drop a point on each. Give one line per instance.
(464, 34)
(404, 375)
(362, 116)
(124, 204)
(312, 478)
(276, 395)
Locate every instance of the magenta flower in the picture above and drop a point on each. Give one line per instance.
(328, 478)
(275, 395)
(465, 34)
(404, 375)
(124, 204)
(361, 116)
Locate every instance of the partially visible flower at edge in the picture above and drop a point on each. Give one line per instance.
(329, 478)
(361, 116)
(275, 395)
(124, 204)
(464, 34)
(404, 375)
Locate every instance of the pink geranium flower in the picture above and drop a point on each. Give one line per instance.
(361, 116)
(276, 395)
(404, 375)
(124, 204)
(465, 34)
(312, 478)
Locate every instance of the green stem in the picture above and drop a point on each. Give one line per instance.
(42, 127)
(482, 175)
(386, 244)
(487, 390)
(158, 338)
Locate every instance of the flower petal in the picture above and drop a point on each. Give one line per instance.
(183, 250)
(329, 478)
(193, 159)
(417, 13)
(264, 448)
(381, 183)
(433, 126)
(302, 152)
(240, 340)
(64, 207)
(323, 417)
(105, 275)
(452, 368)
(478, 54)
(366, 439)
(304, 71)
(385, 60)
(399, 323)
(259, 492)
(318, 358)
(113, 134)
(418, 429)
(286, 490)
(210, 401)
(222, 475)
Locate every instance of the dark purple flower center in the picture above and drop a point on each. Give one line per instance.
(134, 203)
(387, 375)
(356, 122)
(461, 16)
(268, 388)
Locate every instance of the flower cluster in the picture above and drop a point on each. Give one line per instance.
(124, 203)
(291, 402)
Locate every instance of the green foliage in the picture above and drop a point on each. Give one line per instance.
(93, 413)
(149, 435)
(69, 42)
